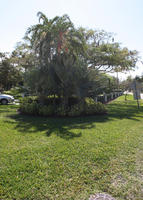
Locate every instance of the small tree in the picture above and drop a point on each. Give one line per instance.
(9, 75)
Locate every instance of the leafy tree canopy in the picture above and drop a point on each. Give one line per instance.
(68, 57)
(58, 58)
(9, 74)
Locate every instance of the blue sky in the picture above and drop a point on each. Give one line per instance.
(122, 17)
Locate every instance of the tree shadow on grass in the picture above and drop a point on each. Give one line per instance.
(124, 110)
(66, 128)
(69, 128)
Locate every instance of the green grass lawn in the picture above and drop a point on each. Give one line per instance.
(69, 159)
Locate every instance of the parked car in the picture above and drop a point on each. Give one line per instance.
(5, 99)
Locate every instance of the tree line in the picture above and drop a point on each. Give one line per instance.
(58, 59)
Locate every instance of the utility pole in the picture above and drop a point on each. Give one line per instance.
(117, 80)
(136, 94)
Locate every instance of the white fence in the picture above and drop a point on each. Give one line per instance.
(107, 97)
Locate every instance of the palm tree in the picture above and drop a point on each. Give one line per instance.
(58, 46)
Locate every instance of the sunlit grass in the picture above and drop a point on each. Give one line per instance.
(53, 158)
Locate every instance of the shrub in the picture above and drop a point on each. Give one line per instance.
(30, 99)
(29, 108)
(61, 111)
(30, 105)
(46, 110)
(95, 108)
(76, 110)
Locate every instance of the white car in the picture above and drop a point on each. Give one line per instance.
(5, 99)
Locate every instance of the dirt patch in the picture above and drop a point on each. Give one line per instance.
(101, 196)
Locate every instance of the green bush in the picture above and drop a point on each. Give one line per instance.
(30, 105)
(61, 111)
(29, 108)
(95, 108)
(47, 110)
(30, 99)
(76, 110)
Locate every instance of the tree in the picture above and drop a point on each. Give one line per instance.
(107, 56)
(54, 37)
(23, 56)
(127, 83)
(59, 48)
(66, 58)
(9, 74)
